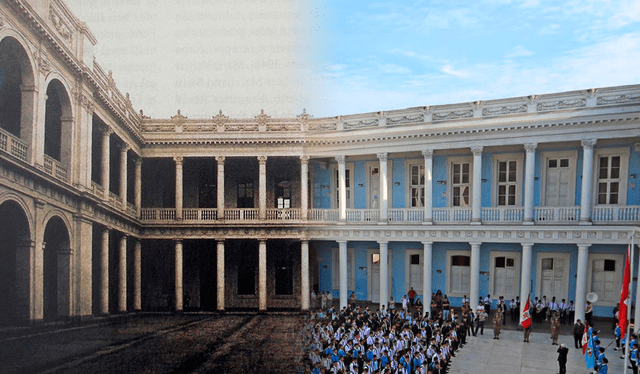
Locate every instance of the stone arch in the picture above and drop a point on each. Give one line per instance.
(16, 250)
(58, 122)
(57, 267)
(17, 91)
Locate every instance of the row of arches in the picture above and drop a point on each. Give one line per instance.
(17, 259)
(19, 102)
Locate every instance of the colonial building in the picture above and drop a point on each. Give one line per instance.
(104, 210)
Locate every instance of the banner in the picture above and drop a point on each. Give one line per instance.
(588, 348)
(624, 297)
(525, 317)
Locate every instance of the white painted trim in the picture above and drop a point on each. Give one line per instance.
(367, 166)
(624, 153)
(407, 264)
(335, 269)
(517, 256)
(565, 280)
(450, 254)
(572, 155)
(455, 160)
(519, 158)
(619, 258)
(334, 167)
(370, 252)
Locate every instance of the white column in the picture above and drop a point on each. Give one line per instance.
(581, 281)
(587, 176)
(476, 199)
(342, 262)
(426, 276)
(220, 186)
(525, 274)
(262, 187)
(262, 275)
(530, 164)
(342, 187)
(179, 290)
(304, 270)
(304, 187)
(137, 276)
(384, 184)
(137, 193)
(123, 176)
(104, 273)
(220, 273)
(122, 275)
(106, 160)
(474, 281)
(428, 187)
(179, 161)
(384, 273)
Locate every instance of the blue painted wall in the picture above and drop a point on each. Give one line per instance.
(322, 187)
(398, 194)
(360, 185)
(633, 189)
(439, 174)
(487, 167)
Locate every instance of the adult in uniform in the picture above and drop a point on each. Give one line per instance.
(497, 323)
(578, 331)
(555, 328)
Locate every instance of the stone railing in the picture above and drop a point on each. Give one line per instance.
(158, 214)
(556, 214)
(324, 215)
(291, 214)
(242, 214)
(13, 146)
(502, 214)
(55, 168)
(199, 214)
(616, 213)
(451, 215)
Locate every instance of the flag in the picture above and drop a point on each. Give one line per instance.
(585, 339)
(589, 352)
(624, 296)
(525, 317)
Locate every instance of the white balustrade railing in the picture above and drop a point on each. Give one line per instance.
(199, 214)
(158, 214)
(290, 214)
(55, 168)
(406, 215)
(502, 214)
(241, 214)
(324, 215)
(616, 213)
(451, 215)
(14, 146)
(556, 214)
(98, 190)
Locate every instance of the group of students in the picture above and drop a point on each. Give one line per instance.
(357, 340)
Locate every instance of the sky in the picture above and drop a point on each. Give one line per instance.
(343, 57)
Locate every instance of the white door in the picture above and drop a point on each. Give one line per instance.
(553, 278)
(374, 191)
(374, 265)
(504, 279)
(415, 273)
(557, 182)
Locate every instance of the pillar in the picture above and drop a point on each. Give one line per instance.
(474, 274)
(122, 275)
(123, 176)
(179, 161)
(587, 176)
(384, 186)
(304, 270)
(220, 273)
(428, 187)
(581, 281)
(525, 274)
(65, 270)
(342, 188)
(530, 165)
(342, 262)
(262, 276)
(476, 199)
(106, 134)
(179, 290)
(137, 276)
(304, 187)
(25, 260)
(137, 192)
(384, 273)
(83, 260)
(104, 273)
(262, 187)
(426, 276)
(220, 186)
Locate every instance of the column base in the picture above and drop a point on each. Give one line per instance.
(586, 222)
(427, 222)
(382, 222)
(528, 222)
(476, 222)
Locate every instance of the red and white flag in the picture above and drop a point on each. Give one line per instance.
(525, 317)
(624, 297)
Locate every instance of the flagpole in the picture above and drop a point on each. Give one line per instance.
(627, 336)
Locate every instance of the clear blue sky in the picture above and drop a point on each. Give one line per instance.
(351, 56)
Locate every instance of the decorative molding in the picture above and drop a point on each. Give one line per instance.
(322, 126)
(427, 153)
(618, 99)
(562, 104)
(179, 160)
(589, 143)
(341, 159)
(178, 118)
(60, 24)
(284, 127)
(360, 124)
(405, 119)
(237, 127)
(507, 109)
(220, 118)
(477, 150)
(530, 147)
(453, 115)
(262, 118)
(304, 159)
(382, 156)
(262, 160)
(220, 159)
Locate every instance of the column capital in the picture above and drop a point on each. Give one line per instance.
(474, 244)
(177, 241)
(124, 148)
(304, 159)
(137, 160)
(106, 131)
(530, 245)
(220, 159)
(589, 143)
(384, 241)
(341, 241)
(262, 160)
(427, 153)
(304, 241)
(382, 156)
(427, 243)
(584, 246)
(179, 160)
(477, 150)
(341, 159)
(530, 147)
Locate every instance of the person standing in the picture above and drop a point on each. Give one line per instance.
(487, 303)
(513, 310)
(497, 321)
(412, 296)
(588, 313)
(578, 331)
(555, 328)
(481, 316)
(562, 358)
(572, 310)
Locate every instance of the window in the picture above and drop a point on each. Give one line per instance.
(414, 269)
(458, 272)
(507, 183)
(460, 184)
(605, 278)
(335, 279)
(245, 195)
(505, 274)
(417, 186)
(348, 184)
(611, 167)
